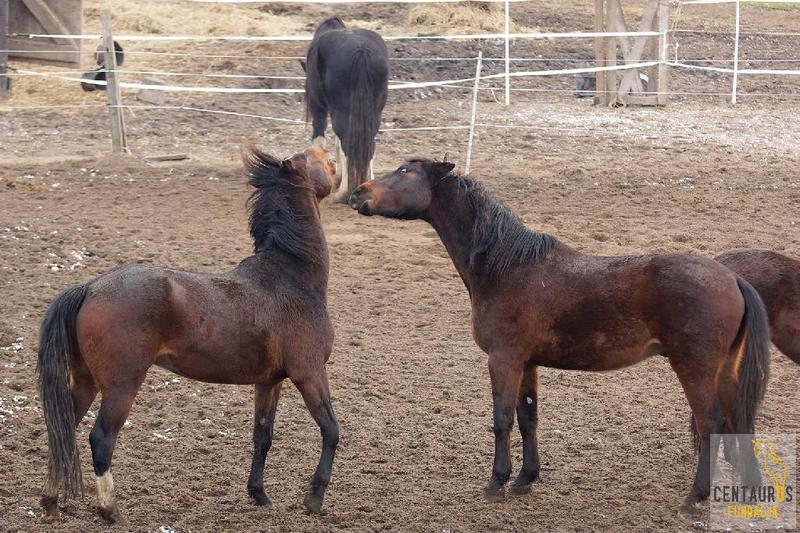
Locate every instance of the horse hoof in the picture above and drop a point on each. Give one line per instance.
(313, 504)
(520, 488)
(110, 514)
(341, 197)
(690, 508)
(260, 499)
(50, 506)
(494, 494)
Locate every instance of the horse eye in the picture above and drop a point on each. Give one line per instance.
(403, 170)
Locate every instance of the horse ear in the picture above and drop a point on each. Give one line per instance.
(294, 164)
(439, 169)
(303, 64)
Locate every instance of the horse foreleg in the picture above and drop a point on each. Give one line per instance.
(528, 418)
(114, 409)
(317, 397)
(266, 403)
(506, 374)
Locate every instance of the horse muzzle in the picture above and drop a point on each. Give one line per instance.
(361, 202)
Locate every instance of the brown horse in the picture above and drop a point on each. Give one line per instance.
(260, 323)
(538, 302)
(776, 277)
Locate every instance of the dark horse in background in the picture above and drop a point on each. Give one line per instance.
(347, 77)
(538, 302)
(260, 323)
(776, 277)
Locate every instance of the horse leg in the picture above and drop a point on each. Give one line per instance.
(114, 409)
(83, 391)
(528, 418)
(343, 193)
(266, 403)
(699, 386)
(506, 375)
(316, 394)
(319, 123)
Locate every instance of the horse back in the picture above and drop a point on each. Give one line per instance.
(600, 313)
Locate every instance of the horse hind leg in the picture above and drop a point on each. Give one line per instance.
(266, 403)
(114, 409)
(699, 385)
(343, 193)
(316, 393)
(83, 391)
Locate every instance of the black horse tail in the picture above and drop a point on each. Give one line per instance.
(57, 345)
(365, 115)
(753, 364)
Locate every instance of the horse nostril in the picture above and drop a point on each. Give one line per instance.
(364, 208)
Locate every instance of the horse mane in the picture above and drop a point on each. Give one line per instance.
(500, 240)
(282, 215)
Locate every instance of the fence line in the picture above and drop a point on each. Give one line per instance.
(306, 38)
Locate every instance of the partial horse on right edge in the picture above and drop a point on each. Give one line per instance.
(776, 277)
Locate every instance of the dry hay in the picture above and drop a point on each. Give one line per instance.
(485, 17)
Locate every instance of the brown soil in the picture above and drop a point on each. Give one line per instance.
(410, 387)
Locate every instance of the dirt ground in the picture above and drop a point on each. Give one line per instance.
(410, 387)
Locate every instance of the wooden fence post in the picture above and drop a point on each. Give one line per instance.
(508, 51)
(118, 142)
(662, 85)
(3, 49)
(601, 93)
(734, 90)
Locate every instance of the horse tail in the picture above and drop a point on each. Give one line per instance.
(752, 364)
(313, 86)
(365, 115)
(57, 345)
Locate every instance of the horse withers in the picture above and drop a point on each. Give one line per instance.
(776, 277)
(262, 322)
(538, 302)
(347, 77)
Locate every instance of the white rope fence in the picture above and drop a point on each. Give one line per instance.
(477, 81)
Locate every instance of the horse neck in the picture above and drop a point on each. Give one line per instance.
(311, 271)
(453, 219)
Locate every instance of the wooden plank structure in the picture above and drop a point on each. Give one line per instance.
(53, 17)
(626, 87)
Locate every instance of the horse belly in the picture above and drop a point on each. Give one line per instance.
(597, 356)
(220, 366)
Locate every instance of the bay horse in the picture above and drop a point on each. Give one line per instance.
(347, 76)
(776, 277)
(538, 302)
(262, 322)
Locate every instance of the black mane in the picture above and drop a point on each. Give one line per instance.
(282, 213)
(499, 239)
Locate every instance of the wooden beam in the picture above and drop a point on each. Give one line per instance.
(600, 94)
(42, 50)
(631, 82)
(3, 49)
(118, 141)
(48, 19)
